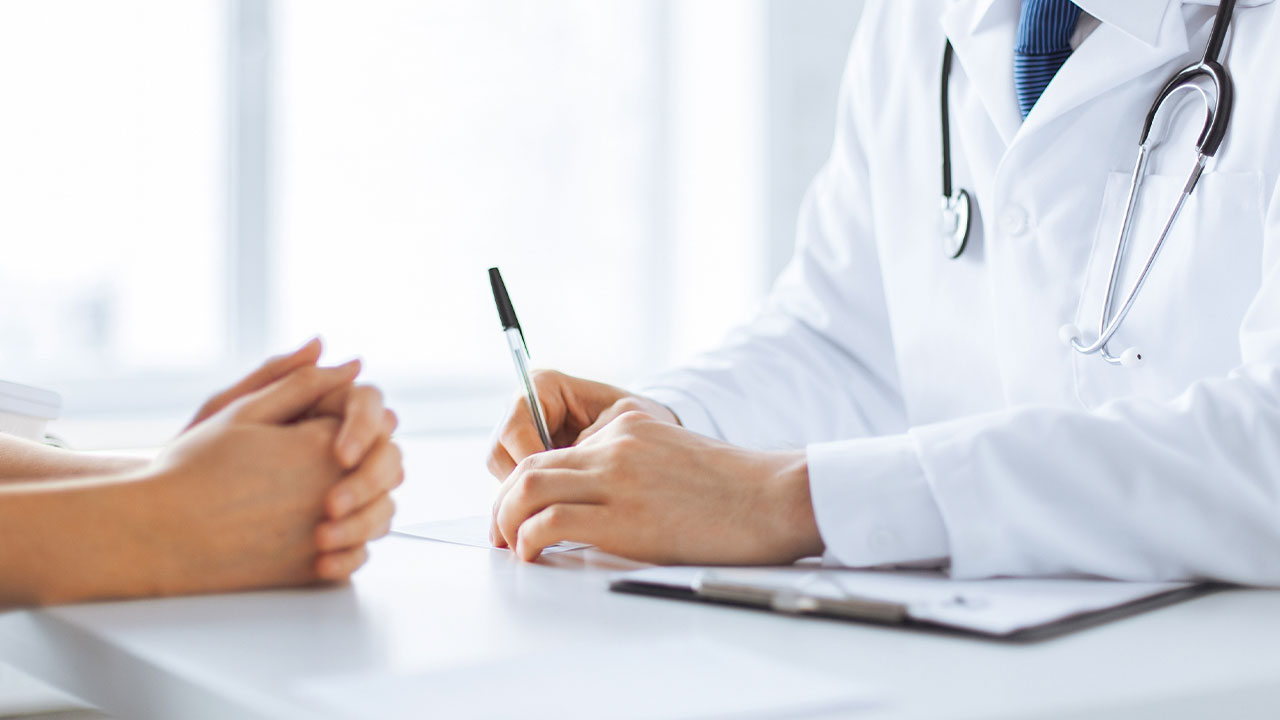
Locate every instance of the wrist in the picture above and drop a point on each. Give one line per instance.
(789, 506)
(134, 537)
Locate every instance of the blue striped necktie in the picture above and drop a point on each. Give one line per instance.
(1044, 42)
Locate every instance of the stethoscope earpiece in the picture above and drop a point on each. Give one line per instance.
(1069, 334)
(1132, 358)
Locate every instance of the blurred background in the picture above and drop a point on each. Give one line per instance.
(186, 187)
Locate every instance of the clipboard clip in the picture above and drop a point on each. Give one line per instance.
(793, 601)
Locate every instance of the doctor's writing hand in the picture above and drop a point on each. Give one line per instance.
(575, 410)
(653, 491)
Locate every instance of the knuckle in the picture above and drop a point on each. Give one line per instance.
(630, 403)
(530, 483)
(549, 377)
(554, 518)
(630, 418)
(528, 464)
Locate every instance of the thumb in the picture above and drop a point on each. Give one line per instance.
(295, 394)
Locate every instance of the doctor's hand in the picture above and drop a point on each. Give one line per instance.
(653, 491)
(575, 410)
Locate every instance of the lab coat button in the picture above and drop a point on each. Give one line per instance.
(1013, 221)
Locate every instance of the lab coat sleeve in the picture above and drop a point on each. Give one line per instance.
(1137, 489)
(817, 363)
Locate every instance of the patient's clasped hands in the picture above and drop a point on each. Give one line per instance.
(280, 480)
(296, 460)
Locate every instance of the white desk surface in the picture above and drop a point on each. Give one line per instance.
(421, 606)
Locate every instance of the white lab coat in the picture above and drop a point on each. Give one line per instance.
(943, 418)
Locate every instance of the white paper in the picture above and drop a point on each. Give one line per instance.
(473, 531)
(672, 677)
(999, 607)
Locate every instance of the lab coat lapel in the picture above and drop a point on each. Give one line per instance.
(1108, 58)
(983, 33)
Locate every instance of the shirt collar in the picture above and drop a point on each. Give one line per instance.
(1140, 18)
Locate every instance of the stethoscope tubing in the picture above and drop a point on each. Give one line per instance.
(1217, 119)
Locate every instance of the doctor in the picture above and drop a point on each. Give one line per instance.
(895, 404)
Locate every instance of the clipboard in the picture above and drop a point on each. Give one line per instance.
(1011, 609)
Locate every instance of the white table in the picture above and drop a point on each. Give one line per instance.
(423, 607)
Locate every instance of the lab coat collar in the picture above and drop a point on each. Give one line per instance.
(1138, 18)
(1112, 56)
(1132, 38)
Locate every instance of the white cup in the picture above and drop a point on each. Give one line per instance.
(25, 411)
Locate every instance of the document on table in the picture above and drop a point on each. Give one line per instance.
(1011, 608)
(665, 677)
(473, 531)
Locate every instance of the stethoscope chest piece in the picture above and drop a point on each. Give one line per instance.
(953, 222)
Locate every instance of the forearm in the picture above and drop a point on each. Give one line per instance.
(73, 540)
(29, 461)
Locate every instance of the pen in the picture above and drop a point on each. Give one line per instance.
(519, 351)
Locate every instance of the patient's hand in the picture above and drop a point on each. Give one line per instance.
(244, 498)
(365, 420)
(361, 444)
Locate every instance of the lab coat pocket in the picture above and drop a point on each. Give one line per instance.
(1186, 318)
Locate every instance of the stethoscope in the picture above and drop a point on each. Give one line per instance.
(957, 205)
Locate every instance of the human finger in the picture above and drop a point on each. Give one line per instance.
(500, 464)
(518, 434)
(381, 472)
(369, 523)
(336, 566)
(362, 424)
(295, 394)
(535, 490)
(561, 522)
(628, 404)
(273, 369)
(350, 402)
(603, 419)
(509, 479)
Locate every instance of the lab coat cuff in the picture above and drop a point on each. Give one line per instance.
(692, 414)
(873, 504)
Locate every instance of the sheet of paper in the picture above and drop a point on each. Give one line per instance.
(999, 607)
(670, 677)
(473, 531)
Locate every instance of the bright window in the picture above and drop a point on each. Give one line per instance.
(188, 186)
(111, 146)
